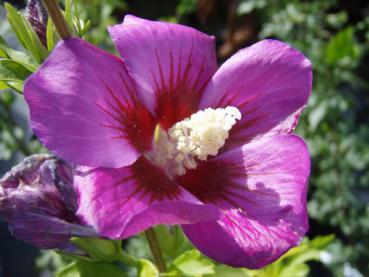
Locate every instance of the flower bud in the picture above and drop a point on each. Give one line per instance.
(37, 16)
(38, 202)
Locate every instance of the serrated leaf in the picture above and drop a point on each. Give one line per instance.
(13, 71)
(147, 269)
(192, 263)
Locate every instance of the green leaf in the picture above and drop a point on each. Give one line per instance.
(18, 56)
(13, 71)
(68, 13)
(25, 34)
(147, 269)
(86, 269)
(3, 85)
(16, 23)
(321, 242)
(192, 263)
(223, 270)
(81, 26)
(17, 86)
(246, 7)
(2, 40)
(69, 271)
(35, 43)
(341, 47)
(51, 35)
(3, 54)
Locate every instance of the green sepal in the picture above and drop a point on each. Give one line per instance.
(99, 249)
(75, 256)
(171, 240)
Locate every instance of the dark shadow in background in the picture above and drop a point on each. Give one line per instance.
(17, 259)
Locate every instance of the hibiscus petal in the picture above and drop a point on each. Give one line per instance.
(263, 204)
(83, 107)
(170, 63)
(269, 82)
(123, 202)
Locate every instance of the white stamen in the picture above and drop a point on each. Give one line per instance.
(193, 139)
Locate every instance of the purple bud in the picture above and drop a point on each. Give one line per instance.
(38, 202)
(36, 14)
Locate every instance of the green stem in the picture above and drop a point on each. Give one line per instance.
(155, 249)
(57, 18)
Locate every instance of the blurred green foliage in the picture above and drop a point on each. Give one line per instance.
(185, 261)
(333, 34)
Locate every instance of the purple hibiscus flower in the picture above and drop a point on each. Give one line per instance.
(164, 137)
(38, 202)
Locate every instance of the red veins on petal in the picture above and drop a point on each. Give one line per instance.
(153, 181)
(178, 98)
(130, 119)
(214, 181)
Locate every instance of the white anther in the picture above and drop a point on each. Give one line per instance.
(194, 138)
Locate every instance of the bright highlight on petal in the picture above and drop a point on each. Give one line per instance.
(193, 139)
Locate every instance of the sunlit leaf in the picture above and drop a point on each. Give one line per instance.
(50, 35)
(192, 263)
(147, 269)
